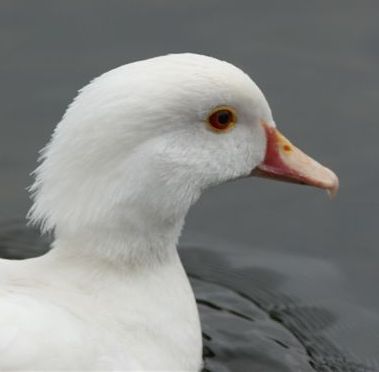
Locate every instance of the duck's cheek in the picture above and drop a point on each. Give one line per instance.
(257, 146)
(250, 149)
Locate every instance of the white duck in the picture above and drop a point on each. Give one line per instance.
(132, 153)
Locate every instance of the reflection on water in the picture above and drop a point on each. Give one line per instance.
(249, 321)
(18, 242)
(239, 336)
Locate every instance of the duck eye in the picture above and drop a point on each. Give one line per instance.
(222, 119)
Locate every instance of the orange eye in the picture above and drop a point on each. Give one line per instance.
(222, 119)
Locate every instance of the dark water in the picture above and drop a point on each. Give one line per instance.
(286, 280)
(250, 321)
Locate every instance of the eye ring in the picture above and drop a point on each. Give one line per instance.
(222, 119)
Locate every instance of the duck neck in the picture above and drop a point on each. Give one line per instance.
(132, 242)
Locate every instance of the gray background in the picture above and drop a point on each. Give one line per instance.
(317, 63)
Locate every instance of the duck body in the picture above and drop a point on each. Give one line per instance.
(131, 155)
(60, 313)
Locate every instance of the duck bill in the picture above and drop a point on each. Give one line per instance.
(285, 162)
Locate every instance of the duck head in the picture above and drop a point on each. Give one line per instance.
(141, 142)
